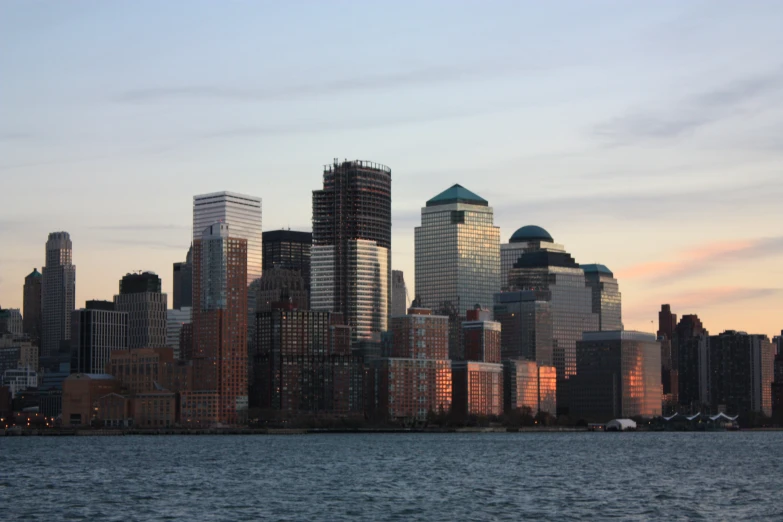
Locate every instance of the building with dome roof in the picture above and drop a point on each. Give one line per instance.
(529, 236)
(607, 300)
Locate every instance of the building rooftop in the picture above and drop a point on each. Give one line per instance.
(34, 273)
(597, 268)
(457, 194)
(530, 233)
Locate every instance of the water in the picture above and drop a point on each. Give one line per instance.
(630, 476)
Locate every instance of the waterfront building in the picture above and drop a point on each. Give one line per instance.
(547, 269)
(289, 250)
(58, 293)
(526, 326)
(741, 373)
(667, 323)
(526, 384)
(457, 252)
(399, 293)
(607, 300)
(617, 376)
(183, 282)
(477, 389)
(481, 336)
(691, 349)
(11, 322)
(19, 379)
(351, 253)
(242, 213)
(144, 370)
(141, 298)
(95, 334)
(303, 363)
(175, 320)
(31, 307)
(220, 322)
(80, 395)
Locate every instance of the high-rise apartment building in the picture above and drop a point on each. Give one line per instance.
(617, 376)
(526, 326)
(547, 269)
(457, 252)
(351, 254)
(58, 293)
(95, 334)
(288, 249)
(219, 328)
(141, 298)
(477, 389)
(607, 300)
(399, 293)
(741, 373)
(667, 323)
(242, 213)
(690, 353)
(481, 337)
(31, 308)
(183, 282)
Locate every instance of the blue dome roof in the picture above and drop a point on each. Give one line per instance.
(531, 233)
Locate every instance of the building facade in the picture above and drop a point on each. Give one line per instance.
(141, 298)
(281, 284)
(618, 376)
(527, 385)
(81, 394)
(477, 389)
(175, 320)
(457, 252)
(667, 323)
(351, 253)
(289, 250)
(607, 300)
(242, 213)
(183, 282)
(58, 293)
(481, 337)
(399, 294)
(95, 334)
(690, 348)
(11, 321)
(526, 326)
(31, 307)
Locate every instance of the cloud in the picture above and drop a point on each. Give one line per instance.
(691, 113)
(141, 227)
(704, 258)
(14, 136)
(412, 78)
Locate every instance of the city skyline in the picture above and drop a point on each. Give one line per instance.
(666, 170)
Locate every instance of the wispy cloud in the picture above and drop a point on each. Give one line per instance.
(691, 113)
(14, 136)
(704, 258)
(395, 80)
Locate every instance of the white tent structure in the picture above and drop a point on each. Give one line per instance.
(620, 425)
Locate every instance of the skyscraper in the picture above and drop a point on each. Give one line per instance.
(510, 252)
(219, 327)
(399, 294)
(58, 293)
(290, 250)
(31, 312)
(606, 296)
(183, 282)
(11, 321)
(242, 212)
(548, 269)
(457, 252)
(667, 323)
(351, 254)
(95, 334)
(526, 325)
(140, 296)
(281, 285)
(690, 352)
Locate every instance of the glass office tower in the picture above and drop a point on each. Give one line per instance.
(607, 300)
(457, 252)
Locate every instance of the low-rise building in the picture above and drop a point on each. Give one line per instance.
(81, 394)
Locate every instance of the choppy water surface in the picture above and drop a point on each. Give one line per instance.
(394, 477)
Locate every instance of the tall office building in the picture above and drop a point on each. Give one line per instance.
(526, 326)
(242, 213)
(741, 373)
(140, 296)
(183, 282)
(95, 334)
(690, 349)
(457, 252)
(288, 249)
(280, 285)
(617, 376)
(607, 301)
(481, 337)
(219, 328)
(31, 308)
(529, 385)
(545, 267)
(176, 319)
(58, 293)
(667, 323)
(351, 254)
(399, 294)
(510, 252)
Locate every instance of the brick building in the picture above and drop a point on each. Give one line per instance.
(81, 392)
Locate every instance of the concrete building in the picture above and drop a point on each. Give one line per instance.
(289, 250)
(243, 213)
(81, 392)
(141, 298)
(399, 294)
(175, 320)
(351, 254)
(607, 300)
(477, 389)
(281, 284)
(11, 322)
(183, 282)
(481, 337)
(31, 308)
(58, 293)
(526, 326)
(528, 385)
(220, 327)
(19, 379)
(618, 375)
(17, 352)
(457, 252)
(95, 334)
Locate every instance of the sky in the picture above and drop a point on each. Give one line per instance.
(647, 136)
